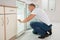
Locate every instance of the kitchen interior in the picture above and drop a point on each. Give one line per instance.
(12, 10)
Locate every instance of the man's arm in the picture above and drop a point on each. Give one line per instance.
(29, 18)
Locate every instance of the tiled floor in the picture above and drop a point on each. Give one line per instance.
(55, 36)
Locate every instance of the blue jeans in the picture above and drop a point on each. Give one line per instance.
(40, 27)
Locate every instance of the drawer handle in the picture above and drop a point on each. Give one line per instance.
(2, 21)
(11, 10)
(7, 20)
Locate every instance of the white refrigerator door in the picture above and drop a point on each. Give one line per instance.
(20, 15)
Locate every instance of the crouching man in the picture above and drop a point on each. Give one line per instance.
(43, 25)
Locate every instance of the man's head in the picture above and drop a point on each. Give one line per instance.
(31, 7)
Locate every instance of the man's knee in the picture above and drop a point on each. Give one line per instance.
(31, 24)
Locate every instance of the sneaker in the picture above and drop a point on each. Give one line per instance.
(50, 32)
(41, 37)
(47, 35)
(35, 32)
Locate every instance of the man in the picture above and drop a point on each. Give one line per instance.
(43, 25)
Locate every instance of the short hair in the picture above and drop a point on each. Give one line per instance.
(32, 4)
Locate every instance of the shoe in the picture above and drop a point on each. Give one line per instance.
(47, 35)
(50, 32)
(35, 32)
(41, 37)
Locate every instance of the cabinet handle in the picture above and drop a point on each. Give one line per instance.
(11, 10)
(2, 21)
(7, 20)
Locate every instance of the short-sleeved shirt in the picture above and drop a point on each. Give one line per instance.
(41, 16)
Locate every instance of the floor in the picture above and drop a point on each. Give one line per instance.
(30, 36)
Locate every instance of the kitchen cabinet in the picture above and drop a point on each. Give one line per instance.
(45, 5)
(52, 5)
(10, 26)
(8, 23)
(1, 27)
(10, 10)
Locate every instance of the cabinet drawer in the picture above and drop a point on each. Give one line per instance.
(1, 10)
(10, 10)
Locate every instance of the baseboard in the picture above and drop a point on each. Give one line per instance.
(13, 38)
(16, 36)
(19, 34)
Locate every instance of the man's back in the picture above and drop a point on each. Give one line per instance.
(41, 15)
